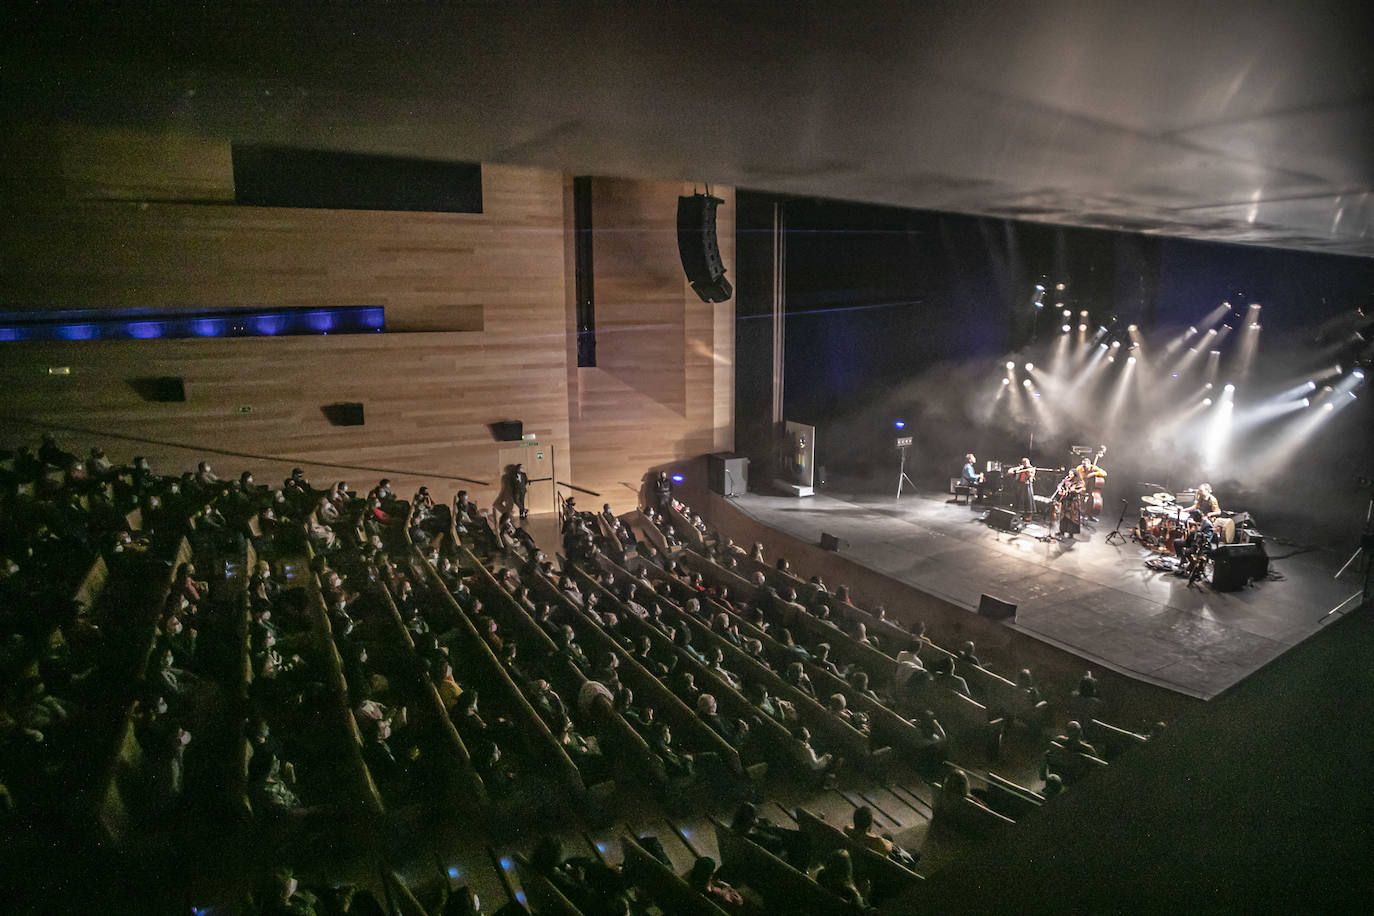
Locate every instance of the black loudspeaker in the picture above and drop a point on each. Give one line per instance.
(163, 389)
(696, 245)
(508, 430)
(727, 474)
(345, 413)
(829, 542)
(1004, 520)
(1233, 565)
(995, 608)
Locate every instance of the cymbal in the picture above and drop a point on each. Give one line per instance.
(1164, 495)
(1158, 499)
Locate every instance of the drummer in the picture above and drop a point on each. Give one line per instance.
(1204, 502)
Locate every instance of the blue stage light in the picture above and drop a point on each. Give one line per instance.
(900, 424)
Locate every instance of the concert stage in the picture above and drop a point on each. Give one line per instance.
(1091, 598)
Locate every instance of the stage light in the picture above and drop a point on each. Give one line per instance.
(1082, 328)
(1173, 375)
(900, 424)
(1068, 314)
(678, 478)
(1030, 367)
(1207, 387)
(1039, 288)
(1131, 328)
(1037, 394)
(1026, 383)
(1067, 329)
(1130, 360)
(1359, 374)
(1083, 314)
(1328, 406)
(1206, 402)
(1192, 331)
(1010, 365)
(1059, 287)
(1006, 381)
(1306, 402)
(1115, 344)
(1228, 388)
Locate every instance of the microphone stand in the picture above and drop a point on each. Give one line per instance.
(1116, 534)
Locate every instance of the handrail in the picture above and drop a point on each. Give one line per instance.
(573, 486)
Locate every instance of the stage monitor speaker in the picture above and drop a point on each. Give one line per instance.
(696, 245)
(1234, 565)
(995, 608)
(345, 413)
(1004, 520)
(508, 430)
(161, 389)
(829, 542)
(727, 474)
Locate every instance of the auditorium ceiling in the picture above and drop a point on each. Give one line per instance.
(1234, 121)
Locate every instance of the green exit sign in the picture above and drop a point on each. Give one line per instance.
(244, 408)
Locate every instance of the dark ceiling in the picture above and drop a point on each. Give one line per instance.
(1235, 121)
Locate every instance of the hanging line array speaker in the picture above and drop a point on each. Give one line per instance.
(696, 245)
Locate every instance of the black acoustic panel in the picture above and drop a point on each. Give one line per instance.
(995, 608)
(697, 246)
(163, 389)
(283, 176)
(508, 430)
(727, 474)
(1004, 520)
(345, 413)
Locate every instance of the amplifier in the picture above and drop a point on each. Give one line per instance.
(1234, 565)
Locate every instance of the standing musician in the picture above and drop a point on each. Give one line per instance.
(1068, 506)
(1025, 486)
(1088, 473)
(970, 476)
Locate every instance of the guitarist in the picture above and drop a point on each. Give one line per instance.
(1093, 478)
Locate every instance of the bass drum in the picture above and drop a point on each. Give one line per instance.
(1225, 529)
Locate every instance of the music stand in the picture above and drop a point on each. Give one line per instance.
(1116, 534)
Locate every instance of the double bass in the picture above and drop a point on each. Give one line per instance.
(1095, 484)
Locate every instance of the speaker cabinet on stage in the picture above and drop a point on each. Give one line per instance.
(1004, 520)
(829, 542)
(1233, 565)
(995, 608)
(696, 245)
(727, 474)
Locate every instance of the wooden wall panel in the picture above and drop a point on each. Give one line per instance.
(502, 280)
(663, 388)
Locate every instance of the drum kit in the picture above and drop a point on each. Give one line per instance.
(1163, 519)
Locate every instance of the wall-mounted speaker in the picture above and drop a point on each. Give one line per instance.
(163, 389)
(696, 245)
(508, 430)
(344, 413)
(995, 608)
(1004, 520)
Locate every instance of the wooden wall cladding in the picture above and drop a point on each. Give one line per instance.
(492, 290)
(663, 387)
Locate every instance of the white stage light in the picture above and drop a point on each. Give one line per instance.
(1067, 329)
(1082, 327)
(1010, 365)
(1030, 367)
(1206, 402)
(1026, 383)
(1068, 314)
(1006, 381)
(1228, 388)
(1130, 360)
(1359, 374)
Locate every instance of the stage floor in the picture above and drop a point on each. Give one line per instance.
(1095, 599)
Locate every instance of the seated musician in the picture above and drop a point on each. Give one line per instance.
(1205, 502)
(1086, 472)
(1198, 533)
(970, 477)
